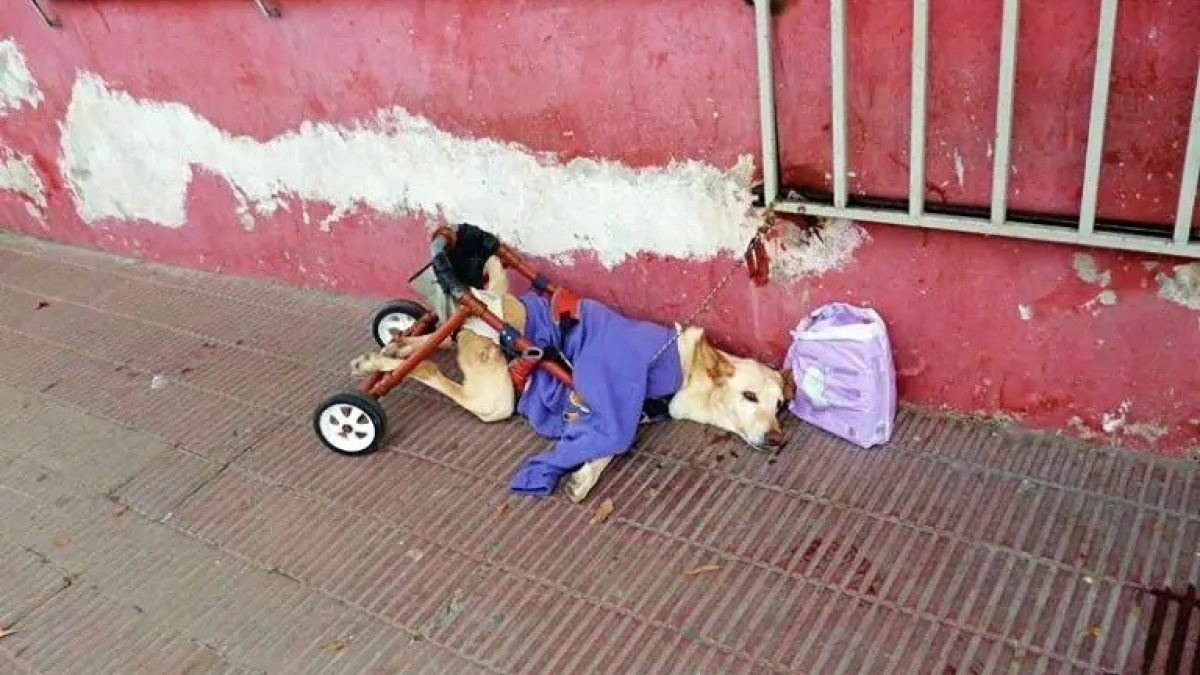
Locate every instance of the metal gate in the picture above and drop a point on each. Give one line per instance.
(998, 220)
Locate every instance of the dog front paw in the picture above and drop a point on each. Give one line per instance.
(397, 349)
(364, 365)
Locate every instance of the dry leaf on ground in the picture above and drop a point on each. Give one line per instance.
(334, 645)
(603, 511)
(5, 632)
(703, 569)
(502, 508)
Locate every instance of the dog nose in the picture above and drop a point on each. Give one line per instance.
(774, 438)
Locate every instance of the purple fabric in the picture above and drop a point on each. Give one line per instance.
(611, 356)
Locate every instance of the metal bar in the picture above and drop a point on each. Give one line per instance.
(50, 21)
(1015, 228)
(837, 23)
(267, 9)
(1095, 145)
(1004, 108)
(766, 101)
(379, 384)
(1189, 177)
(916, 135)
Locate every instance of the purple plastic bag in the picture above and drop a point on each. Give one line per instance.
(845, 380)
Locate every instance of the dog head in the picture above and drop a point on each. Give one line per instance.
(738, 395)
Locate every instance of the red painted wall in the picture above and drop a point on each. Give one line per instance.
(648, 82)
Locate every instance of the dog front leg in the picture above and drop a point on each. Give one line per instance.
(369, 364)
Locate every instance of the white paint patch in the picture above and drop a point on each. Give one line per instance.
(1182, 286)
(133, 159)
(1076, 424)
(17, 174)
(1106, 298)
(804, 255)
(1147, 431)
(1113, 421)
(1025, 311)
(960, 170)
(17, 86)
(1087, 270)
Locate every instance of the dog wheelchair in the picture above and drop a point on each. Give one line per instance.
(353, 422)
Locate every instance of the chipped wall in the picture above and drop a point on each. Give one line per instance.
(18, 89)
(615, 144)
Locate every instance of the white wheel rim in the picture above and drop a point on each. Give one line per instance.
(347, 427)
(392, 324)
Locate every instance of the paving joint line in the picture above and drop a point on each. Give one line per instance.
(114, 493)
(77, 579)
(959, 466)
(67, 580)
(413, 634)
(855, 595)
(178, 382)
(892, 520)
(954, 466)
(222, 468)
(927, 617)
(181, 330)
(509, 569)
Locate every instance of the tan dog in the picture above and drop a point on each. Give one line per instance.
(737, 395)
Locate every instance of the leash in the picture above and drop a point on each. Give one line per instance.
(756, 261)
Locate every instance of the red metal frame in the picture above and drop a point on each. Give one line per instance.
(379, 384)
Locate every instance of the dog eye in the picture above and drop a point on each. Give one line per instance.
(750, 396)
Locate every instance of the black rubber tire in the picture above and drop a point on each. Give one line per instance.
(367, 405)
(412, 310)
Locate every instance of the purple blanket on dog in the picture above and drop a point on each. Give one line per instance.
(611, 356)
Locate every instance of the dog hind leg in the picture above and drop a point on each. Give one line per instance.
(486, 390)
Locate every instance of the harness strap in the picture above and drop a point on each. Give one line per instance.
(564, 308)
(521, 369)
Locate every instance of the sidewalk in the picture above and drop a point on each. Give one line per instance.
(168, 511)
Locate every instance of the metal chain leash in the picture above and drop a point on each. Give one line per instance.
(712, 294)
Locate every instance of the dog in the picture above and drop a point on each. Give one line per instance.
(737, 395)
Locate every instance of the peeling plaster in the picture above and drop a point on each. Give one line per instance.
(127, 158)
(1182, 287)
(1113, 421)
(17, 87)
(17, 174)
(1076, 424)
(811, 255)
(1151, 433)
(1106, 298)
(1087, 270)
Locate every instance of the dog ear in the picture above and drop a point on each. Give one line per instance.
(789, 383)
(711, 361)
